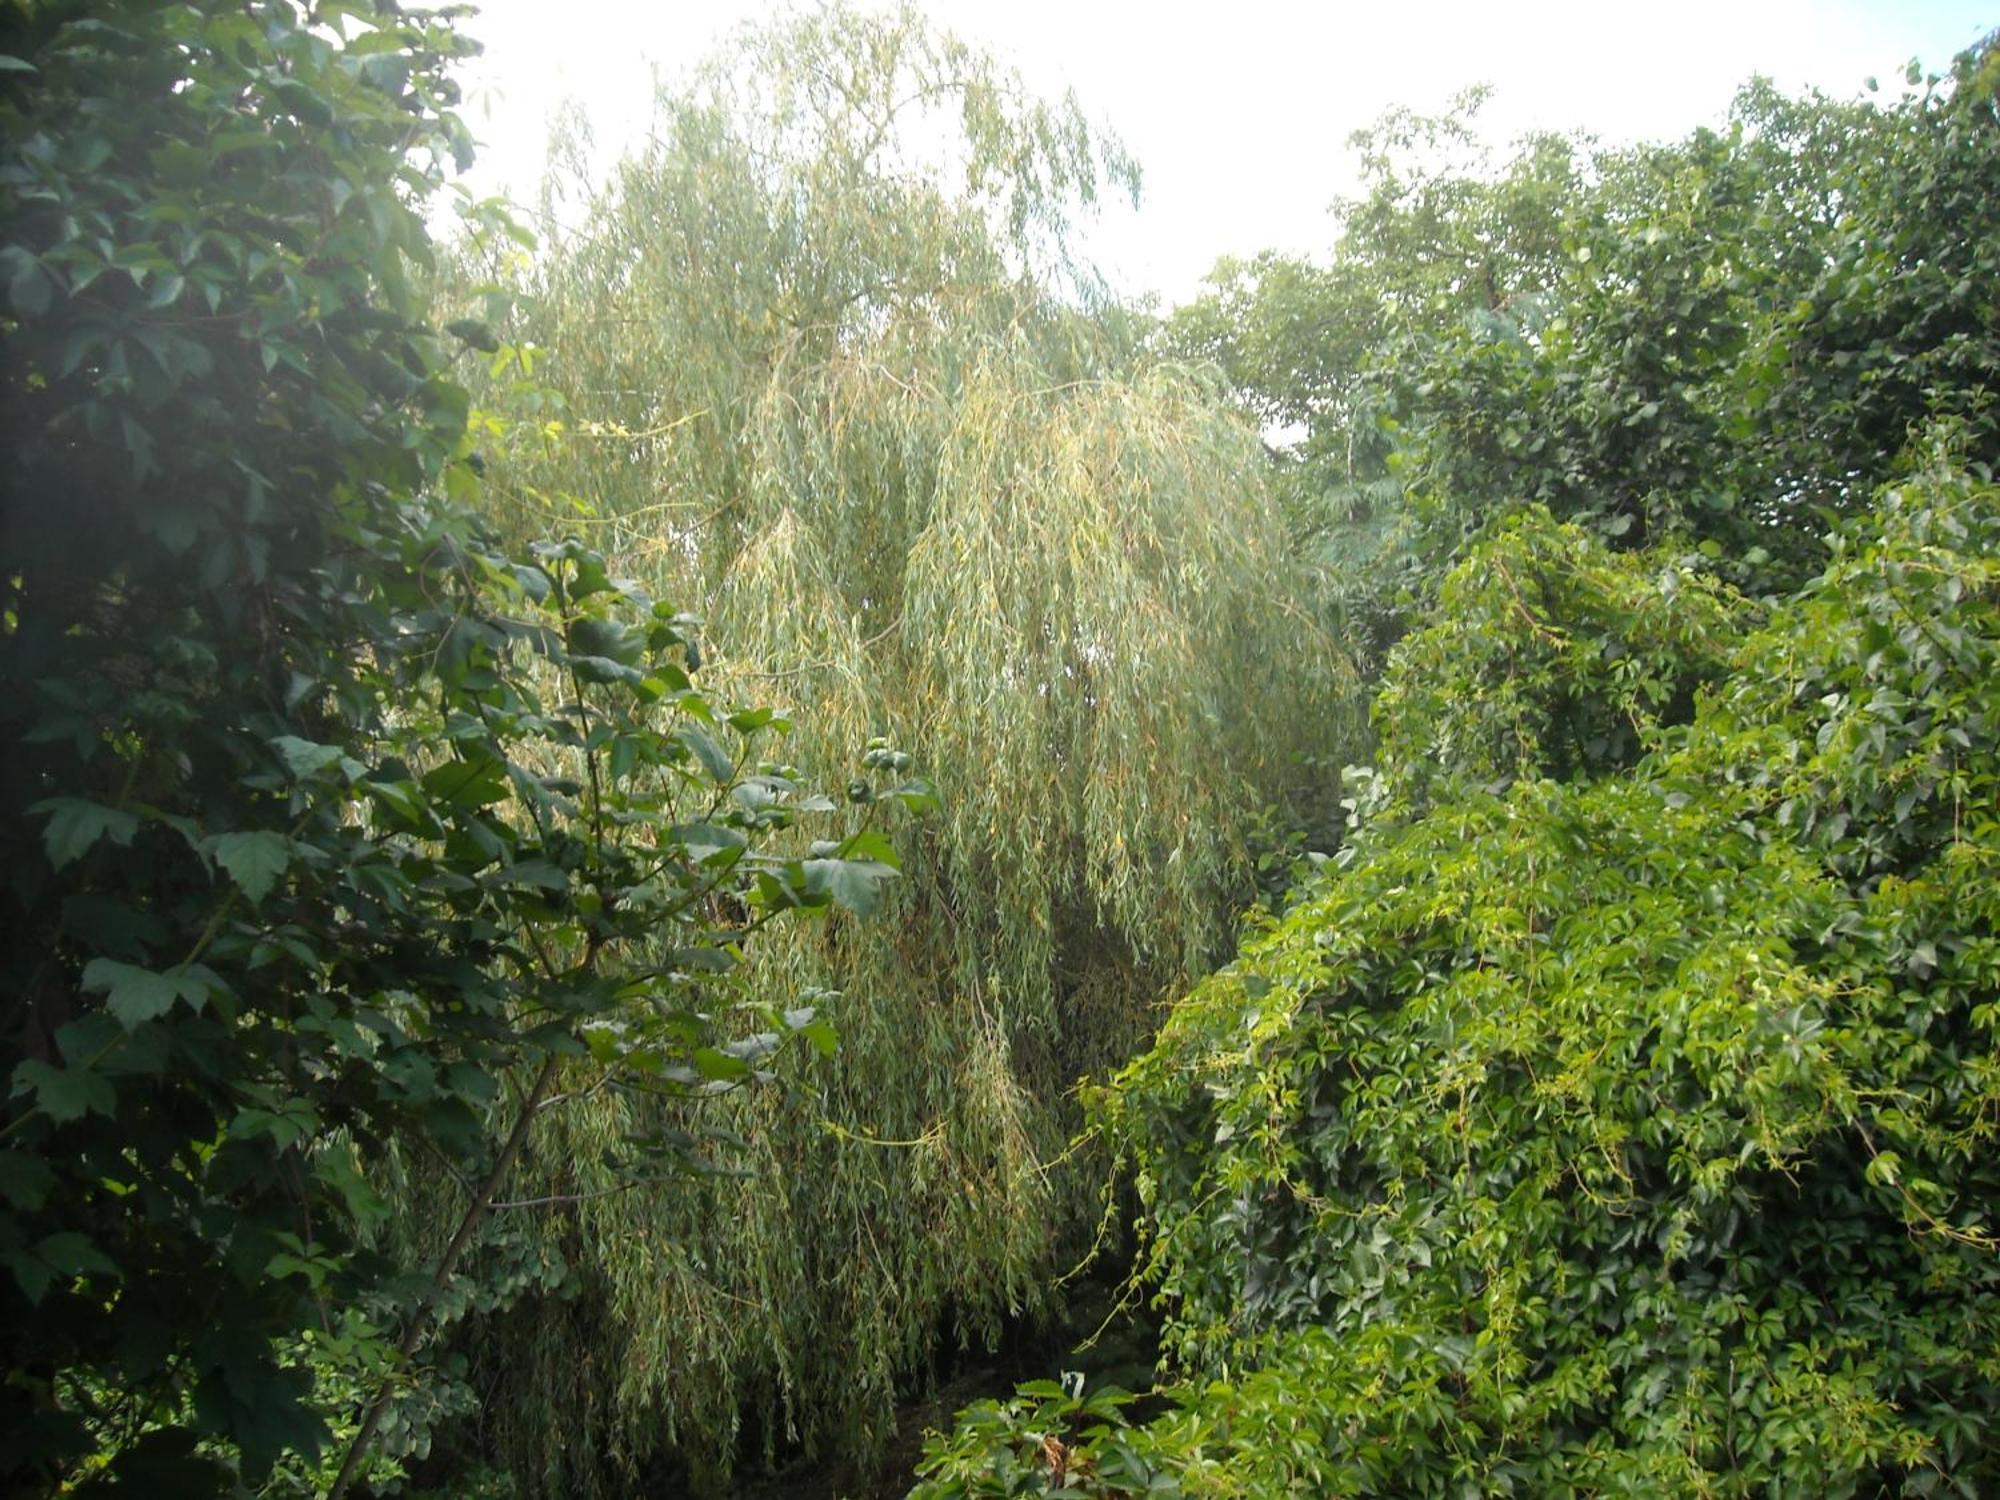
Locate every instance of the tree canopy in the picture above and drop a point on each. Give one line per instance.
(1726, 340)
(819, 360)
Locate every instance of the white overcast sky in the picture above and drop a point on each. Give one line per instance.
(1238, 111)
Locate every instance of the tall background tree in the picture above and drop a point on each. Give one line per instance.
(820, 358)
(1725, 340)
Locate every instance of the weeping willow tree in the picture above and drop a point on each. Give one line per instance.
(823, 365)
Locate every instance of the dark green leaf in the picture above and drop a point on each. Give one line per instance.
(29, 290)
(304, 758)
(711, 755)
(64, 1094)
(254, 860)
(136, 995)
(855, 884)
(473, 333)
(25, 1180)
(75, 825)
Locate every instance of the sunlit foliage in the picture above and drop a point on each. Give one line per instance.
(1615, 1114)
(820, 360)
(1624, 1134)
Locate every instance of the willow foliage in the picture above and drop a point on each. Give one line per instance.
(824, 361)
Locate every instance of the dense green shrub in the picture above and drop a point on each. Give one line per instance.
(332, 834)
(1629, 1134)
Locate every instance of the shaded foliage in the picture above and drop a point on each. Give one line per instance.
(334, 833)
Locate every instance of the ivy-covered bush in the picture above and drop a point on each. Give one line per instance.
(1547, 654)
(1622, 1135)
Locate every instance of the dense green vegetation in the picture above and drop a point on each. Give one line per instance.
(1623, 1134)
(1723, 341)
(336, 838)
(1615, 1115)
(815, 361)
(421, 1071)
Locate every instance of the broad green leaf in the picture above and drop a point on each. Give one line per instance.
(25, 1179)
(606, 670)
(705, 841)
(855, 884)
(254, 860)
(468, 783)
(713, 758)
(304, 758)
(285, 1126)
(65, 1094)
(872, 844)
(29, 290)
(31, 1273)
(72, 1254)
(540, 873)
(609, 639)
(719, 1066)
(136, 995)
(75, 825)
(822, 1036)
(474, 334)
